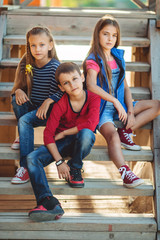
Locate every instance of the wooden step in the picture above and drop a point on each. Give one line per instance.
(92, 187)
(79, 226)
(77, 40)
(8, 119)
(130, 66)
(98, 153)
(5, 89)
(138, 93)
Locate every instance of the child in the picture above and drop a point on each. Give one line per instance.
(34, 92)
(104, 69)
(69, 132)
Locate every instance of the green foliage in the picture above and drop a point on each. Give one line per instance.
(101, 3)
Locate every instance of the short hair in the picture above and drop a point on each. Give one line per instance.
(66, 67)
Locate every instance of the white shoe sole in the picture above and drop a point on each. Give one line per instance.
(19, 182)
(135, 184)
(133, 148)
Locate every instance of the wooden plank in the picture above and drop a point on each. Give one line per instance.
(130, 66)
(98, 153)
(3, 19)
(9, 119)
(81, 222)
(137, 92)
(158, 13)
(92, 187)
(74, 235)
(70, 24)
(5, 89)
(80, 40)
(154, 35)
(91, 11)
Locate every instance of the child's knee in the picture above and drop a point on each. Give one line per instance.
(86, 137)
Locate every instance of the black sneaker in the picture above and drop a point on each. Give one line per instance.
(49, 209)
(76, 178)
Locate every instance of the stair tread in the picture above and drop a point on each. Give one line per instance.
(92, 187)
(130, 66)
(81, 222)
(125, 41)
(137, 92)
(8, 118)
(98, 153)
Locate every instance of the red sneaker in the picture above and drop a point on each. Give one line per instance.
(41, 214)
(21, 176)
(15, 144)
(130, 180)
(126, 140)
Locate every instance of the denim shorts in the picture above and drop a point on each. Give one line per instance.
(110, 114)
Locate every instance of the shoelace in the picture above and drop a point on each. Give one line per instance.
(129, 174)
(128, 137)
(76, 173)
(20, 172)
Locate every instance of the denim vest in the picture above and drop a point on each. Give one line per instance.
(118, 56)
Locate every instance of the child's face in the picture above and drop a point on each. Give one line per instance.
(71, 83)
(39, 46)
(108, 37)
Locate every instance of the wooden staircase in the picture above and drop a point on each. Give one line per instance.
(73, 27)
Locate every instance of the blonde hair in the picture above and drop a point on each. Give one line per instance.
(23, 79)
(96, 48)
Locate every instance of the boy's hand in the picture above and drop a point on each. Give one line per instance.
(121, 111)
(64, 171)
(21, 97)
(42, 110)
(59, 136)
(130, 120)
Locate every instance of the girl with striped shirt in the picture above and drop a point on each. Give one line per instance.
(34, 92)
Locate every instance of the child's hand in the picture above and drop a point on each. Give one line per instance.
(121, 111)
(59, 136)
(64, 171)
(21, 97)
(130, 121)
(42, 110)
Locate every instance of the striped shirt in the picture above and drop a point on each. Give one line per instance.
(44, 84)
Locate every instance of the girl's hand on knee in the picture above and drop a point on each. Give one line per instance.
(130, 121)
(42, 110)
(121, 111)
(21, 97)
(64, 171)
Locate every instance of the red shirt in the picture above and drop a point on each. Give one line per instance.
(63, 117)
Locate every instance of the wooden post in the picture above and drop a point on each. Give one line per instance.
(3, 18)
(154, 35)
(158, 13)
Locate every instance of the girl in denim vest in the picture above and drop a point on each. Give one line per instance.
(104, 69)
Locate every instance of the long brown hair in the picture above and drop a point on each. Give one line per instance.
(23, 80)
(96, 48)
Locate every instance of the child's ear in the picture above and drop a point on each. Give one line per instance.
(83, 78)
(50, 46)
(61, 88)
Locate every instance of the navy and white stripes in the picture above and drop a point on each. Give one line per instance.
(44, 83)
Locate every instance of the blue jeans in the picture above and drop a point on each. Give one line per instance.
(76, 146)
(27, 121)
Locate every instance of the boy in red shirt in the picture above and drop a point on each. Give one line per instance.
(69, 132)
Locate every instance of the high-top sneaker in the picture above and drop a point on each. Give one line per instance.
(130, 180)
(126, 140)
(76, 179)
